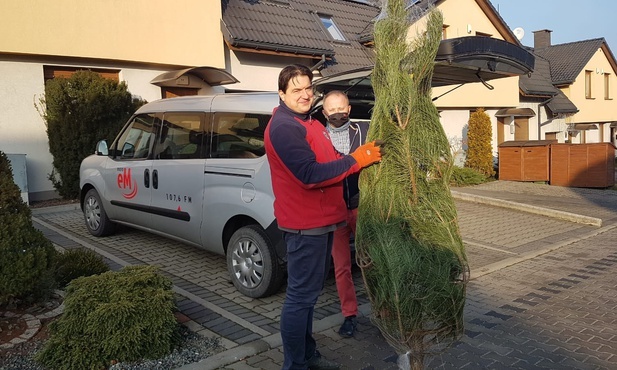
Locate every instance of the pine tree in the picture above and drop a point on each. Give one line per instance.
(479, 138)
(408, 242)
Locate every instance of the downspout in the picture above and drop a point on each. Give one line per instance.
(540, 114)
(320, 63)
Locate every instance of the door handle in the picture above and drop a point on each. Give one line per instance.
(155, 179)
(147, 178)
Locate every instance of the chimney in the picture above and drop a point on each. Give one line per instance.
(541, 39)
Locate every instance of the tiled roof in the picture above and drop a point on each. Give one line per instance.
(568, 60)
(561, 104)
(294, 27)
(539, 84)
(539, 81)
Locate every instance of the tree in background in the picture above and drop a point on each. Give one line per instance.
(79, 111)
(408, 242)
(479, 139)
(27, 256)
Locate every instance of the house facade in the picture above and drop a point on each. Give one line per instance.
(192, 47)
(42, 40)
(586, 73)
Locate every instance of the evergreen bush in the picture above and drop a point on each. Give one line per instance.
(479, 139)
(464, 176)
(74, 263)
(26, 256)
(124, 316)
(80, 111)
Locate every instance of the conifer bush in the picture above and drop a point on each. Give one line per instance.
(123, 316)
(464, 176)
(479, 138)
(74, 263)
(80, 111)
(26, 256)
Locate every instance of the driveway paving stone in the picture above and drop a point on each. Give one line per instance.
(543, 292)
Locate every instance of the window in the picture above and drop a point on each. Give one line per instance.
(181, 136)
(588, 84)
(331, 27)
(607, 87)
(50, 72)
(135, 141)
(482, 34)
(238, 135)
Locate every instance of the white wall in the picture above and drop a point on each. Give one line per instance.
(258, 72)
(23, 131)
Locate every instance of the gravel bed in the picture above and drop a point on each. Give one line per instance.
(193, 348)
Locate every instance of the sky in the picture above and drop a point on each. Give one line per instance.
(569, 20)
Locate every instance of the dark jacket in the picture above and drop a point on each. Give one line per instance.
(357, 137)
(307, 172)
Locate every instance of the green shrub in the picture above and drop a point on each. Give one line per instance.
(26, 256)
(74, 263)
(464, 176)
(80, 111)
(479, 147)
(124, 316)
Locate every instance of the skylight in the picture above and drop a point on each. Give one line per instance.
(334, 31)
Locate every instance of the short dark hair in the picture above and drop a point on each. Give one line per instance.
(292, 71)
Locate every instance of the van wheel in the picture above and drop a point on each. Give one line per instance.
(252, 263)
(96, 219)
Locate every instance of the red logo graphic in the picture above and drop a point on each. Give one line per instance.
(127, 184)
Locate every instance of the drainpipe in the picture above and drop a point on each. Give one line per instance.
(540, 114)
(320, 63)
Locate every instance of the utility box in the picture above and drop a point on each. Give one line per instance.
(525, 160)
(20, 176)
(583, 165)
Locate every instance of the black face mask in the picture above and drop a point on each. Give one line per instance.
(338, 119)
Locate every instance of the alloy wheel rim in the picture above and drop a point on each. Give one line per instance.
(247, 263)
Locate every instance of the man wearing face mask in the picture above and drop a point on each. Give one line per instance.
(346, 136)
(307, 181)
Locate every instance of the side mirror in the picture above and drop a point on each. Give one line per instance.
(101, 148)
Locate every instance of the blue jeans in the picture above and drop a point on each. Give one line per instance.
(308, 264)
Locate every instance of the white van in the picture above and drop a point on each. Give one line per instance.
(194, 169)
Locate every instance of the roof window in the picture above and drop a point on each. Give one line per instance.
(334, 31)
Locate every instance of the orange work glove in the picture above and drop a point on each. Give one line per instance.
(367, 154)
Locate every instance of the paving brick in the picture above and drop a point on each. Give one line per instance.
(559, 306)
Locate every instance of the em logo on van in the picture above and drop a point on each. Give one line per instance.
(126, 184)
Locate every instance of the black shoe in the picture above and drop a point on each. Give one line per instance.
(319, 363)
(348, 328)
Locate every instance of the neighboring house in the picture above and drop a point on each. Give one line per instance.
(542, 111)
(586, 73)
(263, 36)
(332, 36)
(131, 41)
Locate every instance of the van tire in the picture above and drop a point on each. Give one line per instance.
(252, 263)
(97, 222)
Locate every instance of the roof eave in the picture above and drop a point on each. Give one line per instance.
(260, 45)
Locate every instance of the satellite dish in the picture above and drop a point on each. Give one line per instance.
(519, 33)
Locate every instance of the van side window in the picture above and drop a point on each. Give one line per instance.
(135, 141)
(238, 135)
(180, 136)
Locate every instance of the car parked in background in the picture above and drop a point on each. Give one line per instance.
(194, 169)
